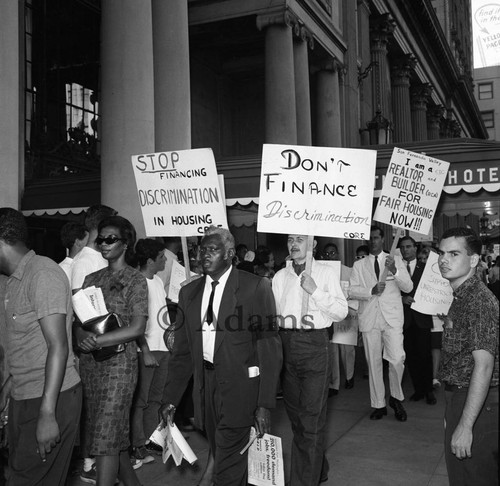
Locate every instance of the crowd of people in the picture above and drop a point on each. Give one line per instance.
(244, 332)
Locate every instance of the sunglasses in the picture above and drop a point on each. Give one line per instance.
(109, 240)
(360, 257)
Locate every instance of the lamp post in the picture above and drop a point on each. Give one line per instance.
(380, 129)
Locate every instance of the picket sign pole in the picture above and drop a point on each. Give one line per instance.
(305, 295)
(185, 256)
(399, 232)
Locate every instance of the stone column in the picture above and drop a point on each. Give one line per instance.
(434, 116)
(281, 113)
(302, 91)
(328, 123)
(11, 106)
(401, 113)
(172, 90)
(127, 101)
(381, 30)
(419, 96)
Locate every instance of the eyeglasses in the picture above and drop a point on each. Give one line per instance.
(359, 257)
(330, 253)
(109, 240)
(209, 249)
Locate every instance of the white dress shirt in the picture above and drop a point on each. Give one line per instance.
(209, 329)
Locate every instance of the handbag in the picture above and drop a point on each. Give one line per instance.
(101, 325)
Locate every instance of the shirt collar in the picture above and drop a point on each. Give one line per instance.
(21, 267)
(222, 279)
(464, 287)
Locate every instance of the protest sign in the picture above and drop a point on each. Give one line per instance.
(324, 191)
(434, 294)
(411, 191)
(265, 461)
(179, 192)
(177, 277)
(346, 331)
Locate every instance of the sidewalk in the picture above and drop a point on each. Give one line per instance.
(360, 451)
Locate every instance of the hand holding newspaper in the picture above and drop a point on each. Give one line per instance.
(173, 443)
(89, 303)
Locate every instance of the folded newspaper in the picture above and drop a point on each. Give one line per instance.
(265, 461)
(89, 303)
(170, 439)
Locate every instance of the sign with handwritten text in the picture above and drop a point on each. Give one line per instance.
(434, 294)
(411, 191)
(179, 192)
(323, 191)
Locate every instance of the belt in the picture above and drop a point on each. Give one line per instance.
(302, 329)
(208, 365)
(454, 388)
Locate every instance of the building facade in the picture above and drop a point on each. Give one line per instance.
(85, 84)
(487, 92)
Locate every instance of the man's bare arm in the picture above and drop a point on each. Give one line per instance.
(54, 332)
(461, 440)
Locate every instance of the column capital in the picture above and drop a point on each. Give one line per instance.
(402, 67)
(306, 36)
(279, 16)
(331, 64)
(420, 95)
(435, 113)
(381, 28)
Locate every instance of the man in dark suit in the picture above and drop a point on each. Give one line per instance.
(417, 329)
(226, 336)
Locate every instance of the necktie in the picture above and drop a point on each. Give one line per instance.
(298, 268)
(210, 310)
(408, 268)
(377, 267)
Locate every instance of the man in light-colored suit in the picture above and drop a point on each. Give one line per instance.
(381, 321)
(227, 337)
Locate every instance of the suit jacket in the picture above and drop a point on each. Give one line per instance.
(413, 317)
(247, 336)
(389, 303)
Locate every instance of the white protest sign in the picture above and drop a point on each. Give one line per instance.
(177, 276)
(265, 461)
(324, 191)
(411, 191)
(179, 192)
(434, 294)
(346, 331)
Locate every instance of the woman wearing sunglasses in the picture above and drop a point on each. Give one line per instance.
(109, 385)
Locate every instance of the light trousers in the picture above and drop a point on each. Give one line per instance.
(384, 342)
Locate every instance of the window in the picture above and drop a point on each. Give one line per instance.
(488, 119)
(485, 91)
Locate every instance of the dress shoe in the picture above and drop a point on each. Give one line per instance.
(430, 398)
(349, 384)
(332, 392)
(416, 397)
(399, 411)
(378, 413)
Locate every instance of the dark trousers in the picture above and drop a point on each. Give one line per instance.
(482, 468)
(306, 375)
(148, 398)
(417, 345)
(26, 466)
(231, 467)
